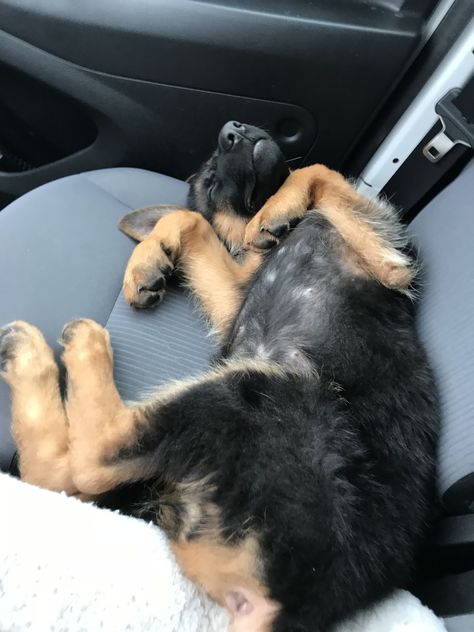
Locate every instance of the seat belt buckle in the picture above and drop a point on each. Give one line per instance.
(457, 128)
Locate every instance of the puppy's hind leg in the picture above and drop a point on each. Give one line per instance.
(101, 426)
(39, 423)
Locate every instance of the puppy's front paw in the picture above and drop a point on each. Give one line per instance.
(144, 282)
(268, 226)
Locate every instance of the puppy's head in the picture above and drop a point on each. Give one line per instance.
(246, 168)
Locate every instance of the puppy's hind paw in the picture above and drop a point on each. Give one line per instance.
(24, 353)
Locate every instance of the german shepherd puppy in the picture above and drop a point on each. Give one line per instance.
(296, 478)
(242, 173)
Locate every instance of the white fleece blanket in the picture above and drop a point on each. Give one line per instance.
(66, 566)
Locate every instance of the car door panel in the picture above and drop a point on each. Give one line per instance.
(157, 80)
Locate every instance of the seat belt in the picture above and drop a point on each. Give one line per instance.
(456, 113)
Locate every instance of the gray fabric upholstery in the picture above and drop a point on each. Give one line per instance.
(463, 623)
(62, 256)
(444, 232)
(151, 349)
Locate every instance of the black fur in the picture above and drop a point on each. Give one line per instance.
(363, 430)
(238, 179)
(331, 464)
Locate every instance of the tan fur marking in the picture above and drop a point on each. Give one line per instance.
(221, 569)
(99, 422)
(130, 223)
(229, 227)
(213, 275)
(353, 263)
(331, 195)
(39, 424)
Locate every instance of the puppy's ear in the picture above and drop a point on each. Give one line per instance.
(250, 610)
(138, 224)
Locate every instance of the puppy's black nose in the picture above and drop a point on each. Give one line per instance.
(230, 134)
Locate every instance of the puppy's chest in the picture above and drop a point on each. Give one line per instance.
(292, 305)
(281, 323)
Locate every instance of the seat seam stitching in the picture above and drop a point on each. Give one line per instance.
(107, 192)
